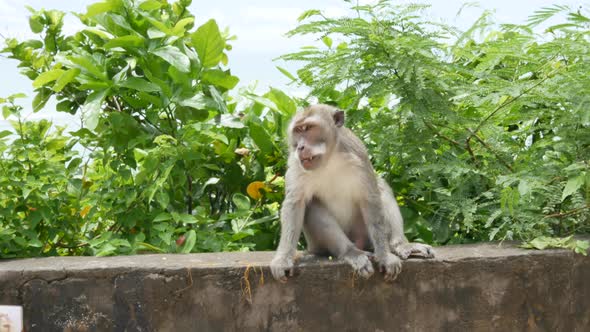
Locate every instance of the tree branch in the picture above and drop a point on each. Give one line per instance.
(489, 148)
(438, 133)
(567, 213)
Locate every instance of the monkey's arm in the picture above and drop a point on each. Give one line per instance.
(380, 232)
(292, 215)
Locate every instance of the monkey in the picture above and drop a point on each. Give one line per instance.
(334, 196)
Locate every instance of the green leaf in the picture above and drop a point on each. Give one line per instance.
(178, 29)
(103, 7)
(175, 57)
(41, 99)
(285, 104)
(572, 186)
(218, 99)
(129, 41)
(220, 78)
(162, 217)
(582, 246)
(65, 78)
(209, 43)
(46, 77)
(186, 218)
(287, 73)
(241, 201)
(524, 187)
(159, 25)
(36, 24)
(6, 111)
(27, 191)
(5, 133)
(139, 84)
(73, 165)
(230, 121)
(66, 106)
(120, 243)
(263, 101)
(216, 136)
(150, 5)
(308, 13)
(101, 33)
(155, 33)
(199, 101)
(327, 41)
(189, 242)
(540, 243)
(162, 178)
(55, 18)
(150, 247)
(87, 63)
(91, 109)
(14, 96)
(261, 138)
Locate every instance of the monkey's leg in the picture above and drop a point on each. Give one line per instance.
(398, 243)
(324, 234)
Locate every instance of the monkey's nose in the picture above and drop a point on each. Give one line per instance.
(300, 147)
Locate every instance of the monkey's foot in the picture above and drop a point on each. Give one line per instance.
(406, 250)
(391, 265)
(360, 263)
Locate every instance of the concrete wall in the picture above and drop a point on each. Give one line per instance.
(467, 288)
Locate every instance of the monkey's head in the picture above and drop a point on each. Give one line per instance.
(313, 134)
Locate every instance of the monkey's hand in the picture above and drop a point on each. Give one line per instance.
(360, 262)
(280, 264)
(390, 264)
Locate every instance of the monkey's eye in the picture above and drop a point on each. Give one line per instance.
(304, 128)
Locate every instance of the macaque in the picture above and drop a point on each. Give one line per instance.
(334, 196)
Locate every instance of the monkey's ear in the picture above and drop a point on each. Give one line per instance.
(339, 118)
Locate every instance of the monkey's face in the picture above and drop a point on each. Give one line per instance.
(309, 144)
(312, 137)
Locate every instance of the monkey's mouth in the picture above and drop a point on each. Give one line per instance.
(308, 163)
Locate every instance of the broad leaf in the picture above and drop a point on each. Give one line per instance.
(41, 99)
(241, 201)
(125, 42)
(261, 138)
(190, 241)
(103, 7)
(572, 186)
(91, 109)
(46, 77)
(65, 78)
(139, 84)
(220, 78)
(175, 57)
(150, 5)
(209, 43)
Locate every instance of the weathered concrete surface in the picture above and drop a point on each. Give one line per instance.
(466, 288)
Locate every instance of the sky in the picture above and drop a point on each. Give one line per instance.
(260, 26)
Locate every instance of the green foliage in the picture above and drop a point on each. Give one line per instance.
(39, 197)
(168, 153)
(483, 134)
(544, 242)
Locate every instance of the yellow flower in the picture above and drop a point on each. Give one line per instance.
(253, 189)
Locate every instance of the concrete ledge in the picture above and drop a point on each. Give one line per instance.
(466, 288)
